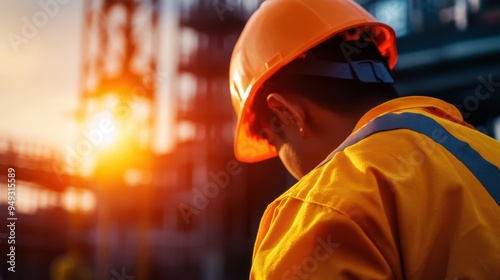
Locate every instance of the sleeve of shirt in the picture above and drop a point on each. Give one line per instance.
(339, 222)
(301, 240)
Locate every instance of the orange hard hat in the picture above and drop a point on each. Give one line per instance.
(276, 34)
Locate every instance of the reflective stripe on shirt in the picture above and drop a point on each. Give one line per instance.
(485, 172)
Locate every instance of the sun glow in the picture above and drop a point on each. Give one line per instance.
(102, 130)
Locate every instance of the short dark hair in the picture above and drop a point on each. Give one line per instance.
(344, 96)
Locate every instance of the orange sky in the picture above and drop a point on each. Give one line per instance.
(39, 77)
(39, 80)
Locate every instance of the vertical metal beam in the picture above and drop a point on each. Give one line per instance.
(119, 57)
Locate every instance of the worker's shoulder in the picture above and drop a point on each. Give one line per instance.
(376, 165)
(365, 170)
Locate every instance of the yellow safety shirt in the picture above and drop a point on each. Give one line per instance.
(392, 204)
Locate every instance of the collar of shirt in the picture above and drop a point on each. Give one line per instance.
(431, 105)
(424, 104)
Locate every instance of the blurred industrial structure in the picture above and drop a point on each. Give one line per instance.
(449, 50)
(51, 207)
(119, 62)
(193, 213)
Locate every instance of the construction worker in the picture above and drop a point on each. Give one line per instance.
(389, 188)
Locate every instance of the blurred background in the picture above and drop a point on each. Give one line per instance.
(116, 116)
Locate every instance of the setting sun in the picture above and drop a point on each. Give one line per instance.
(102, 130)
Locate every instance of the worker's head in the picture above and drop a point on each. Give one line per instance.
(306, 116)
(302, 73)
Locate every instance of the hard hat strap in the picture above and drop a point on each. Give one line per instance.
(371, 71)
(366, 71)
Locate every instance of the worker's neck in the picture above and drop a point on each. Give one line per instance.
(327, 131)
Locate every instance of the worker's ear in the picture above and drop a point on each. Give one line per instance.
(288, 110)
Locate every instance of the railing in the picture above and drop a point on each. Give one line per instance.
(27, 154)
